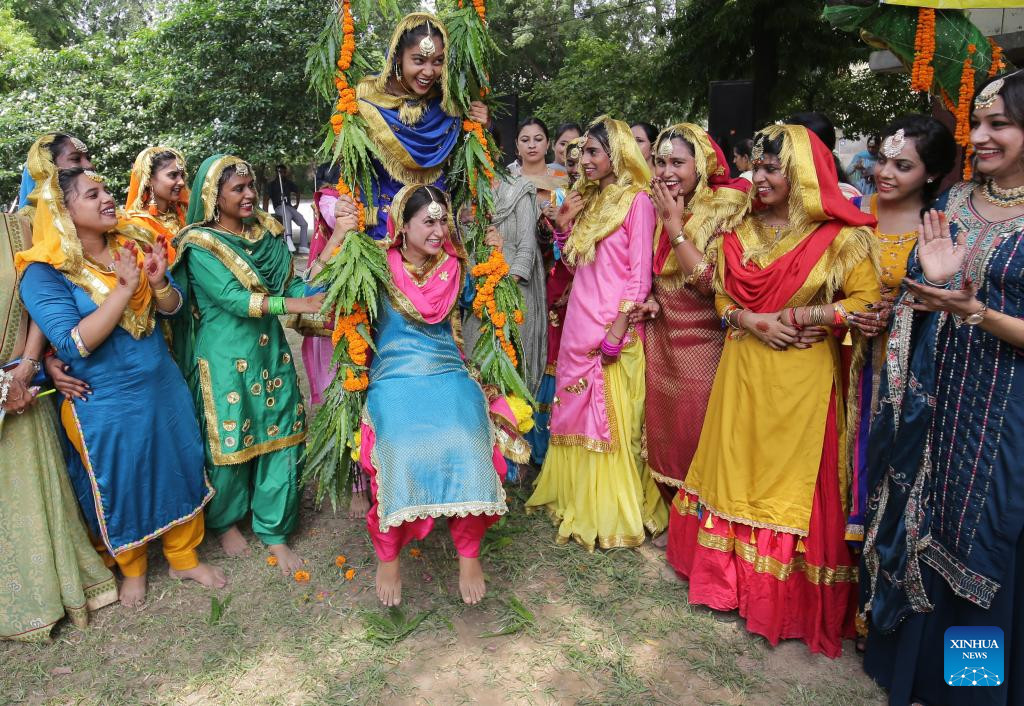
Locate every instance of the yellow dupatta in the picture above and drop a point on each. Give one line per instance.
(142, 220)
(605, 209)
(55, 242)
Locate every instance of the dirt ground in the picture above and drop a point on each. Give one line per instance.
(609, 627)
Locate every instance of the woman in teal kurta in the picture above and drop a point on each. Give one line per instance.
(233, 352)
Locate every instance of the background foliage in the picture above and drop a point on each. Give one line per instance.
(215, 75)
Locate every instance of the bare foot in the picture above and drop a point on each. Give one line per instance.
(661, 541)
(287, 560)
(209, 576)
(133, 591)
(233, 543)
(471, 580)
(358, 506)
(389, 583)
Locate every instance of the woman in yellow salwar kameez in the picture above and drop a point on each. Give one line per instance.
(763, 510)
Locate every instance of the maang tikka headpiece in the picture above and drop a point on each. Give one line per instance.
(427, 46)
(434, 210)
(988, 95)
(242, 169)
(665, 148)
(79, 145)
(757, 153)
(893, 144)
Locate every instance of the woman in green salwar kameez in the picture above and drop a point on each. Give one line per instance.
(239, 277)
(48, 567)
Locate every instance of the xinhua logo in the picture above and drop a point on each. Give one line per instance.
(974, 656)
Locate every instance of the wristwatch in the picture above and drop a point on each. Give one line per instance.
(977, 317)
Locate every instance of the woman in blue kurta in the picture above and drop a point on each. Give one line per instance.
(137, 468)
(944, 545)
(430, 440)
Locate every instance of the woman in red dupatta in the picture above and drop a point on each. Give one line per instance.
(696, 199)
(762, 514)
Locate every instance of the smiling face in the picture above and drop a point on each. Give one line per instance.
(420, 72)
(998, 141)
(596, 163)
(237, 197)
(770, 181)
(642, 141)
(560, 144)
(902, 176)
(90, 205)
(424, 235)
(168, 181)
(678, 170)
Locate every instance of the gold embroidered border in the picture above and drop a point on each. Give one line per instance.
(213, 428)
(256, 300)
(744, 520)
(229, 258)
(10, 323)
(763, 564)
(421, 512)
(139, 326)
(393, 156)
(663, 479)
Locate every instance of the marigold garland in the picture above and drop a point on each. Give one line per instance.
(963, 105)
(998, 63)
(481, 10)
(923, 73)
(492, 271)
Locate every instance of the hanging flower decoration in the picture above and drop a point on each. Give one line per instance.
(998, 63)
(488, 275)
(922, 73)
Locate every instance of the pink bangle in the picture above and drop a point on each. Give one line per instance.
(610, 349)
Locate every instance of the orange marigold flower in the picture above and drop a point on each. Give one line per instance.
(272, 560)
(340, 560)
(301, 576)
(415, 553)
(350, 574)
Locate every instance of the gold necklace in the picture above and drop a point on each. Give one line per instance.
(1005, 198)
(99, 266)
(239, 234)
(777, 229)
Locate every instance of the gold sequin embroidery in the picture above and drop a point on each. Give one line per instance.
(265, 374)
(271, 401)
(233, 397)
(230, 442)
(278, 383)
(264, 339)
(297, 426)
(577, 388)
(230, 425)
(273, 430)
(246, 424)
(286, 358)
(256, 389)
(247, 441)
(241, 365)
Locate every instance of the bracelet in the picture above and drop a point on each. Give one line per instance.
(163, 291)
(36, 365)
(276, 307)
(933, 284)
(5, 385)
(256, 304)
(609, 349)
(679, 239)
(83, 350)
(731, 317)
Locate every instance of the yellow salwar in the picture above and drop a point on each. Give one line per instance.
(760, 449)
(606, 500)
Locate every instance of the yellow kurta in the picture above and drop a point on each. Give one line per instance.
(760, 449)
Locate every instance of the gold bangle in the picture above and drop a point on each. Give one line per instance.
(164, 291)
(256, 304)
(626, 306)
(679, 239)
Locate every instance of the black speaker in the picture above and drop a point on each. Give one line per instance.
(730, 114)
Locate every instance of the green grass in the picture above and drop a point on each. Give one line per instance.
(590, 628)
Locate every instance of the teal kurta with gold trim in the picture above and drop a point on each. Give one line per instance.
(235, 358)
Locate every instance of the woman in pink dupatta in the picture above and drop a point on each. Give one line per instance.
(432, 440)
(594, 482)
